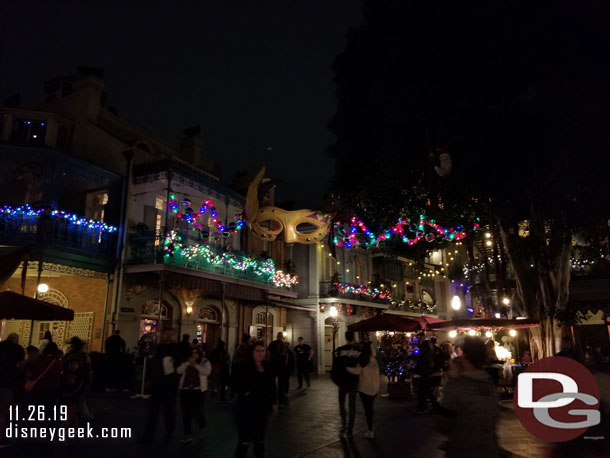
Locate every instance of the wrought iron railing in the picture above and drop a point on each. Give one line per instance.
(330, 289)
(148, 247)
(42, 231)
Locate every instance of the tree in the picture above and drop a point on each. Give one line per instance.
(518, 93)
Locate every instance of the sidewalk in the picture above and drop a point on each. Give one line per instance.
(308, 427)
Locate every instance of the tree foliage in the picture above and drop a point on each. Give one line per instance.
(518, 93)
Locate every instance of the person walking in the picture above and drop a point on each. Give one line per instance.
(304, 355)
(471, 402)
(256, 391)
(368, 383)
(220, 369)
(77, 352)
(428, 372)
(193, 385)
(43, 377)
(346, 356)
(280, 366)
(164, 385)
(115, 353)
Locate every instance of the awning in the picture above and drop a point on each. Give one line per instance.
(386, 322)
(20, 307)
(426, 322)
(485, 323)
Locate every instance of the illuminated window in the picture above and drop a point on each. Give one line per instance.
(101, 198)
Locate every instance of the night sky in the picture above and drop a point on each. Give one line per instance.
(255, 74)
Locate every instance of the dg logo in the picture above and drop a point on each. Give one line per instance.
(557, 399)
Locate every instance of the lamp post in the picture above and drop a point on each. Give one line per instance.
(333, 314)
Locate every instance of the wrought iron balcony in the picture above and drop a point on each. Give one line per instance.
(147, 247)
(348, 291)
(41, 231)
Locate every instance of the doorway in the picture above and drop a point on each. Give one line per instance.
(328, 347)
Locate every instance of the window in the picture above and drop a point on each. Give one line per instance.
(208, 313)
(101, 198)
(260, 319)
(29, 132)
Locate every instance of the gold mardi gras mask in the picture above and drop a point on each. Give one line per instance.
(299, 226)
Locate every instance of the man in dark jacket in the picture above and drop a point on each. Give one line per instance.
(164, 385)
(115, 352)
(346, 356)
(12, 357)
(281, 362)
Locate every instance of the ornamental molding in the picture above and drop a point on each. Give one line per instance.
(48, 266)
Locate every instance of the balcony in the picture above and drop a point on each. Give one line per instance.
(45, 233)
(349, 291)
(146, 247)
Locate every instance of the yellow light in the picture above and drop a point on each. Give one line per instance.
(378, 333)
(472, 332)
(189, 310)
(321, 245)
(393, 286)
(43, 288)
(382, 285)
(456, 303)
(329, 254)
(358, 277)
(333, 311)
(408, 334)
(487, 235)
(347, 270)
(512, 333)
(338, 262)
(489, 243)
(506, 301)
(498, 315)
(453, 334)
(488, 334)
(285, 334)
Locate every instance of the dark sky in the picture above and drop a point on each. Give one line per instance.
(255, 74)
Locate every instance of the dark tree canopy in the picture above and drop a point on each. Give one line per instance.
(518, 92)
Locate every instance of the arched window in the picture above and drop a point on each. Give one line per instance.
(260, 319)
(208, 313)
(427, 297)
(55, 297)
(151, 308)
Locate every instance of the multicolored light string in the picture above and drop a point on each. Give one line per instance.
(174, 246)
(362, 290)
(71, 218)
(410, 232)
(187, 214)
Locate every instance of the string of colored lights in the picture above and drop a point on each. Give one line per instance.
(174, 246)
(190, 216)
(71, 218)
(410, 232)
(363, 290)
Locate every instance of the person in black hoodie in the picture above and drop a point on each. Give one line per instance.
(346, 356)
(256, 391)
(164, 385)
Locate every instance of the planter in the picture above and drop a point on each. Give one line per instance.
(399, 390)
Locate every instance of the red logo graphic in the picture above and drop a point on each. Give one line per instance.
(557, 399)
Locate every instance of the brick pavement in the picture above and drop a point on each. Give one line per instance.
(308, 427)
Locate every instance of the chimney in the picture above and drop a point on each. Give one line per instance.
(191, 150)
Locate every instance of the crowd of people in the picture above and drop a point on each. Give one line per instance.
(457, 382)
(44, 376)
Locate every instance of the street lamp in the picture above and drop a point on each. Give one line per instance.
(456, 303)
(506, 301)
(333, 314)
(43, 288)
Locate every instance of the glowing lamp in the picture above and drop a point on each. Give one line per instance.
(497, 315)
(512, 333)
(488, 334)
(43, 288)
(506, 301)
(333, 312)
(456, 303)
(472, 332)
(453, 334)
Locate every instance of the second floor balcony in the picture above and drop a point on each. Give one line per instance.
(365, 293)
(45, 229)
(147, 247)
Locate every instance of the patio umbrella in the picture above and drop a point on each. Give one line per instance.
(385, 322)
(426, 322)
(20, 307)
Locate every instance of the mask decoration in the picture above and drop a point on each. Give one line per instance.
(299, 226)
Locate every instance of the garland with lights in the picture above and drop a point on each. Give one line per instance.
(26, 211)
(419, 306)
(362, 290)
(174, 247)
(190, 216)
(410, 232)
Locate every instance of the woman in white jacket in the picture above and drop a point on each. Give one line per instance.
(193, 385)
(368, 384)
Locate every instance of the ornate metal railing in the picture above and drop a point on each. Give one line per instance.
(334, 289)
(42, 231)
(148, 247)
